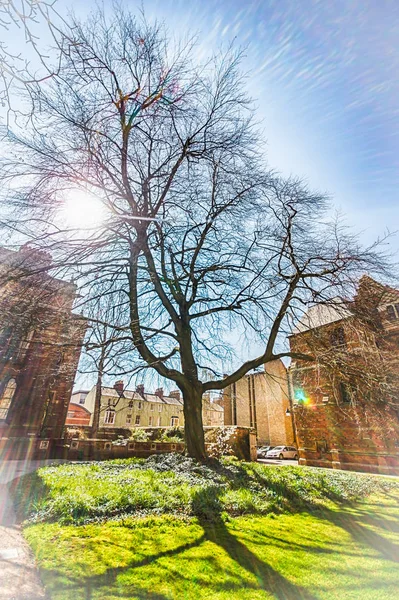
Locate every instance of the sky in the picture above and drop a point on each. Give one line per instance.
(324, 77)
(323, 74)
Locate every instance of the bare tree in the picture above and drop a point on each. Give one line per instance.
(200, 239)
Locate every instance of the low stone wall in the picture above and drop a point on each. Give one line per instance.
(105, 449)
(241, 440)
(26, 448)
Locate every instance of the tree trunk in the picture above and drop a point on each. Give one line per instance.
(193, 427)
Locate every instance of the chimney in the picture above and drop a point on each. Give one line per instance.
(174, 394)
(159, 392)
(119, 386)
(140, 389)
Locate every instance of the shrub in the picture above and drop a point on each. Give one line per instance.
(140, 435)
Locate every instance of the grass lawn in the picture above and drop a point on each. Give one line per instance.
(242, 531)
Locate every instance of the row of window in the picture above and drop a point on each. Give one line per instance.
(109, 419)
(138, 407)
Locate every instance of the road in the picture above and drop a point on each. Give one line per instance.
(272, 462)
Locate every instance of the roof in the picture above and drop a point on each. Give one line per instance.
(321, 314)
(74, 405)
(216, 407)
(133, 395)
(383, 294)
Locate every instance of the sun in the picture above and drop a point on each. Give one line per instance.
(82, 210)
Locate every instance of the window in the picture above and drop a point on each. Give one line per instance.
(109, 417)
(160, 408)
(345, 393)
(25, 344)
(159, 421)
(174, 422)
(6, 398)
(137, 421)
(234, 404)
(151, 407)
(337, 337)
(393, 312)
(128, 419)
(82, 398)
(150, 421)
(140, 405)
(70, 414)
(321, 446)
(131, 404)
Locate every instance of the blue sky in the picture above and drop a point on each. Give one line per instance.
(324, 74)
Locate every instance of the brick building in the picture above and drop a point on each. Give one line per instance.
(77, 416)
(346, 402)
(40, 343)
(124, 409)
(260, 400)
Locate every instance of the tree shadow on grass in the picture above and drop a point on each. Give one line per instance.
(361, 532)
(108, 579)
(208, 509)
(348, 515)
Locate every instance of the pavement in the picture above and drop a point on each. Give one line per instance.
(19, 577)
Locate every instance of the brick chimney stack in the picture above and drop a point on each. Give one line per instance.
(140, 389)
(175, 394)
(119, 386)
(159, 392)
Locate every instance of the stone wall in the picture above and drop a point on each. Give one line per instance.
(241, 441)
(337, 429)
(260, 400)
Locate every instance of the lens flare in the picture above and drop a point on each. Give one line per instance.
(301, 397)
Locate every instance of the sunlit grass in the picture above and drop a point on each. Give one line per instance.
(328, 556)
(142, 530)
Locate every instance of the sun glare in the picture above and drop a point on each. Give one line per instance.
(82, 210)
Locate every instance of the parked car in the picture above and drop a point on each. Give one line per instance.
(282, 452)
(263, 450)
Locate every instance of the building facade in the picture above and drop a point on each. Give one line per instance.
(40, 344)
(125, 409)
(77, 416)
(261, 401)
(346, 401)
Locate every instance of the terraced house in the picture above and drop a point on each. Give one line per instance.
(124, 409)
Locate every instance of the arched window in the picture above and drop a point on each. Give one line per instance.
(6, 398)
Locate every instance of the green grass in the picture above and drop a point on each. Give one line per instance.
(90, 492)
(244, 531)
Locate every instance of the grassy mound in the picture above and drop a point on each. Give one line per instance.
(173, 484)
